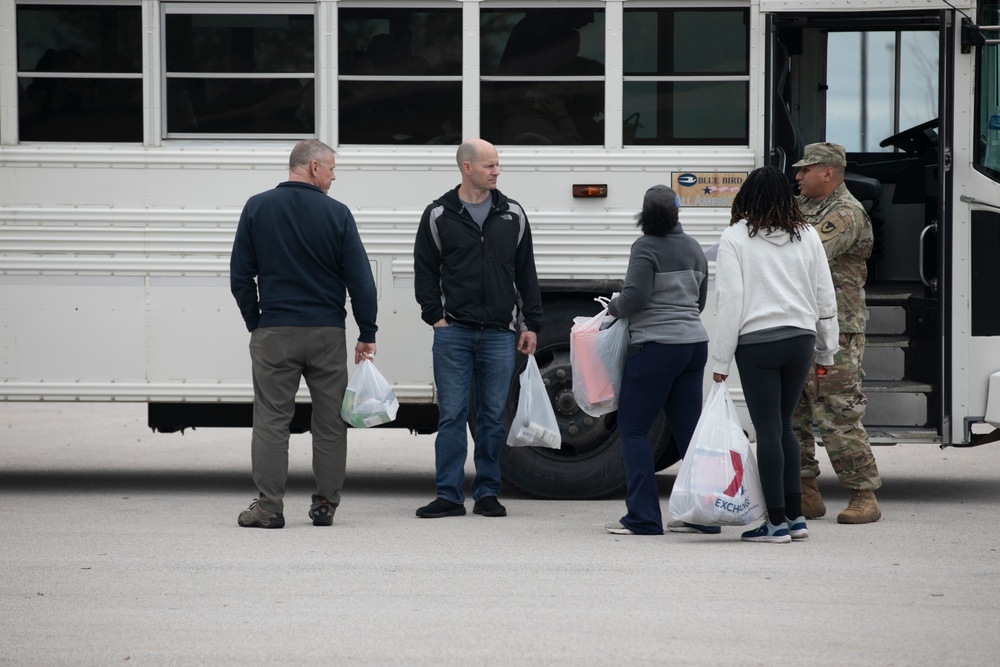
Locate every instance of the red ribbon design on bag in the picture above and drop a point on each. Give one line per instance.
(737, 482)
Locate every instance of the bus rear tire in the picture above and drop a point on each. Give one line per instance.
(589, 464)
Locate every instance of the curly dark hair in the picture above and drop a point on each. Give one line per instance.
(766, 201)
(657, 217)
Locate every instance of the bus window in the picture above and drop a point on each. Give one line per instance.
(400, 76)
(879, 83)
(542, 76)
(79, 73)
(987, 156)
(239, 73)
(681, 88)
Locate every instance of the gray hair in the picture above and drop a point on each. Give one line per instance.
(467, 152)
(306, 151)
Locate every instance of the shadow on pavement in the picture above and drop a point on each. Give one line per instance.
(187, 481)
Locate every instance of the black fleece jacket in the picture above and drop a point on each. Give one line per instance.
(480, 278)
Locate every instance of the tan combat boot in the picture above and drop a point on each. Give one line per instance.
(862, 508)
(812, 502)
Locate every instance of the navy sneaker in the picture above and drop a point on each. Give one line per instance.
(489, 506)
(677, 526)
(797, 528)
(441, 508)
(768, 532)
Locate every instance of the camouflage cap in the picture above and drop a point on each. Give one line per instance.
(823, 153)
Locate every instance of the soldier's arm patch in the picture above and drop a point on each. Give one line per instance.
(831, 226)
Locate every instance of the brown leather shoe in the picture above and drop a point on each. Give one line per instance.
(862, 508)
(812, 502)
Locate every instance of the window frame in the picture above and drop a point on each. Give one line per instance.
(411, 78)
(611, 14)
(14, 121)
(233, 9)
(694, 78)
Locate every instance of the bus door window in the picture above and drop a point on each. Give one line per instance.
(987, 153)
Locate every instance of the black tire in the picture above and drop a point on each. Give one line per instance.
(589, 463)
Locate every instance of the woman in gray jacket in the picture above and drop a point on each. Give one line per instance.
(666, 286)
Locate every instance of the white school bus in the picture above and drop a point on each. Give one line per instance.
(133, 131)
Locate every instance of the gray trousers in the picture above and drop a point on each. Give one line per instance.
(281, 356)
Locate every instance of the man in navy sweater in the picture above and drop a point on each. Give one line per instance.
(297, 253)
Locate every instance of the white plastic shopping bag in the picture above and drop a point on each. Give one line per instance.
(534, 422)
(598, 347)
(718, 483)
(369, 399)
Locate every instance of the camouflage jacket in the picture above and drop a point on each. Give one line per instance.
(846, 232)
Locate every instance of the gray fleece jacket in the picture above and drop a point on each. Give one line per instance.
(666, 287)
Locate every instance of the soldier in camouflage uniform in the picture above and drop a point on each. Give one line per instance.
(835, 400)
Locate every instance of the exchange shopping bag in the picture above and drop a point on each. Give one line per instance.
(718, 483)
(598, 347)
(369, 399)
(534, 422)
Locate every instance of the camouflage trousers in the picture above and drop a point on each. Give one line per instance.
(836, 403)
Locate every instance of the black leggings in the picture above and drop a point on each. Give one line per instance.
(772, 375)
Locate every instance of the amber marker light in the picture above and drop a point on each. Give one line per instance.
(590, 191)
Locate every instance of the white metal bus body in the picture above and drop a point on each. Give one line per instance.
(132, 132)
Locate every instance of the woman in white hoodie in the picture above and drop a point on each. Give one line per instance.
(776, 310)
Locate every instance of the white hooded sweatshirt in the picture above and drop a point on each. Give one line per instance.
(768, 281)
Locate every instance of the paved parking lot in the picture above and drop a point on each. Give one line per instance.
(120, 546)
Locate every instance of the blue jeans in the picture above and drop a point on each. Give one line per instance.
(659, 377)
(461, 356)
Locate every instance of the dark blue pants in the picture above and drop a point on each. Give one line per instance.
(772, 375)
(659, 377)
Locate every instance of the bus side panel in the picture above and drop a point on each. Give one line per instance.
(61, 331)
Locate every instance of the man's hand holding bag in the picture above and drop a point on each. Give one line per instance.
(535, 423)
(369, 399)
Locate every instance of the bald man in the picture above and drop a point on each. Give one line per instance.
(476, 285)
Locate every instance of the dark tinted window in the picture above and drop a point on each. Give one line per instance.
(543, 44)
(241, 43)
(82, 70)
(240, 73)
(400, 76)
(686, 76)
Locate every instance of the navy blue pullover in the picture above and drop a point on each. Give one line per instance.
(296, 254)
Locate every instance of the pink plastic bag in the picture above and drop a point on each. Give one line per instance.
(598, 347)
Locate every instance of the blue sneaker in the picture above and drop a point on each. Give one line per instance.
(677, 526)
(797, 528)
(768, 532)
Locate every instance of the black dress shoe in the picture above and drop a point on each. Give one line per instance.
(441, 508)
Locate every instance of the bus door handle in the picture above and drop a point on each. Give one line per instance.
(932, 282)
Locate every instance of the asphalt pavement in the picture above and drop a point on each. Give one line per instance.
(120, 546)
